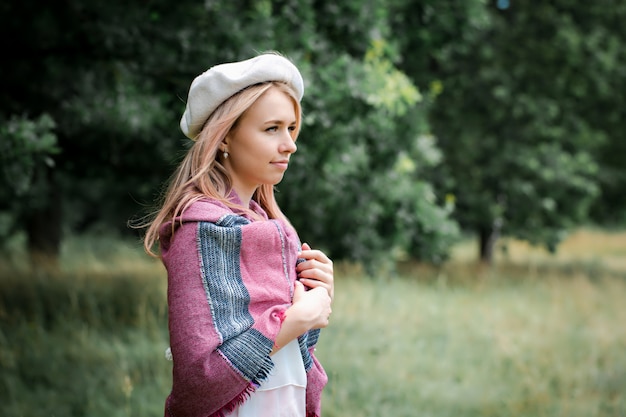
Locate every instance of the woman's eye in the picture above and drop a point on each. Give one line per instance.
(272, 129)
(292, 128)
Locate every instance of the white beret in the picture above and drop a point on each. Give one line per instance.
(211, 88)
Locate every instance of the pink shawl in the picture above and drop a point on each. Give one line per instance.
(230, 280)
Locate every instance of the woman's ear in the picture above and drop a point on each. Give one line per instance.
(225, 142)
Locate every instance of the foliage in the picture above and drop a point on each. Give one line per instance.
(369, 202)
(87, 66)
(117, 120)
(344, 191)
(27, 148)
(502, 115)
(601, 75)
(516, 119)
(26, 145)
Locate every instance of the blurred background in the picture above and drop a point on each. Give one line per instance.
(462, 162)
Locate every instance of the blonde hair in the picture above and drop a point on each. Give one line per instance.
(201, 174)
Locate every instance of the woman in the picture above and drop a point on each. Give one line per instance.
(246, 300)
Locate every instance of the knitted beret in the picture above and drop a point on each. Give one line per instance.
(211, 88)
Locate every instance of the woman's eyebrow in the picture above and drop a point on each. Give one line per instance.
(279, 122)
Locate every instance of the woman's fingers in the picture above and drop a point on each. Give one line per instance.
(314, 259)
(298, 291)
(314, 269)
(317, 269)
(308, 253)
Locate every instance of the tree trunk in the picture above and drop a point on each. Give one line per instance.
(43, 226)
(488, 237)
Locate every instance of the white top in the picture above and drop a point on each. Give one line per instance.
(283, 393)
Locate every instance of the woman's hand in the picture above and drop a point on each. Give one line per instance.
(310, 307)
(309, 310)
(317, 270)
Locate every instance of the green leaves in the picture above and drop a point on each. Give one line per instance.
(26, 147)
(526, 101)
(360, 168)
(384, 85)
(414, 112)
(114, 77)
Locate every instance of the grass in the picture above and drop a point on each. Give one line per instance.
(87, 340)
(526, 348)
(534, 335)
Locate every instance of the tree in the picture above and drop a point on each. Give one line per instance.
(370, 201)
(513, 118)
(604, 62)
(90, 67)
(28, 147)
(357, 186)
(113, 76)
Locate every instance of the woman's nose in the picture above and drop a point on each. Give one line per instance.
(288, 144)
